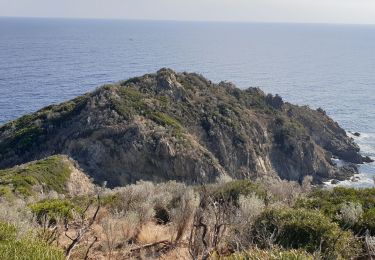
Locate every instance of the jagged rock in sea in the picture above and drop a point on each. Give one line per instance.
(181, 126)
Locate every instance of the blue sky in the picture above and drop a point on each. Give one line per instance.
(310, 11)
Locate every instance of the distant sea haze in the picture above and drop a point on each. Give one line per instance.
(44, 61)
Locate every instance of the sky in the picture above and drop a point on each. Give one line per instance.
(301, 11)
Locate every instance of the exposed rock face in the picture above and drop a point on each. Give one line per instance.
(183, 127)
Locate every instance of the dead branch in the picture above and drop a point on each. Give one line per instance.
(85, 226)
(89, 248)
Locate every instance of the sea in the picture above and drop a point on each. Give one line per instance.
(45, 61)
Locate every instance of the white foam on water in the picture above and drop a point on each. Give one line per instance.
(366, 176)
(338, 162)
(366, 142)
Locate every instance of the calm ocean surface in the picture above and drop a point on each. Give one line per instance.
(44, 61)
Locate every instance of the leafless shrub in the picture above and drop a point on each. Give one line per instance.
(224, 179)
(144, 198)
(350, 214)
(119, 231)
(250, 207)
(181, 216)
(210, 224)
(111, 235)
(133, 216)
(307, 184)
(288, 191)
(135, 199)
(264, 237)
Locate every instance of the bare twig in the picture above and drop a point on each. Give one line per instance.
(89, 248)
(83, 229)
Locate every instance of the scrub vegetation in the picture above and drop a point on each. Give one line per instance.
(240, 219)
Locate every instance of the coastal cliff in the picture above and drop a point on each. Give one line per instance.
(181, 126)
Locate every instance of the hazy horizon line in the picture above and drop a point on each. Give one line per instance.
(182, 21)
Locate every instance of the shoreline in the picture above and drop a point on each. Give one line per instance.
(366, 172)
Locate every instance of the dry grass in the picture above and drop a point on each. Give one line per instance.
(151, 233)
(176, 253)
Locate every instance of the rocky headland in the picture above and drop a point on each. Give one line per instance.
(183, 127)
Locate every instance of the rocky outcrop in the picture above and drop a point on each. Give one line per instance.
(183, 127)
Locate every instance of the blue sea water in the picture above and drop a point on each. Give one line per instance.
(44, 61)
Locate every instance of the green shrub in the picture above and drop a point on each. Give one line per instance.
(231, 191)
(52, 173)
(306, 229)
(369, 220)
(25, 247)
(53, 209)
(331, 202)
(274, 254)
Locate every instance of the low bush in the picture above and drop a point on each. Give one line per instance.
(274, 254)
(305, 229)
(53, 210)
(330, 201)
(369, 220)
(351, 208)
(231, 191)
(147, 200)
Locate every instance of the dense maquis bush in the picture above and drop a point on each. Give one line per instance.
(351, 208)
(305, 229)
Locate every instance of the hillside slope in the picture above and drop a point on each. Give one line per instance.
(183, 127)
(57, 174)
